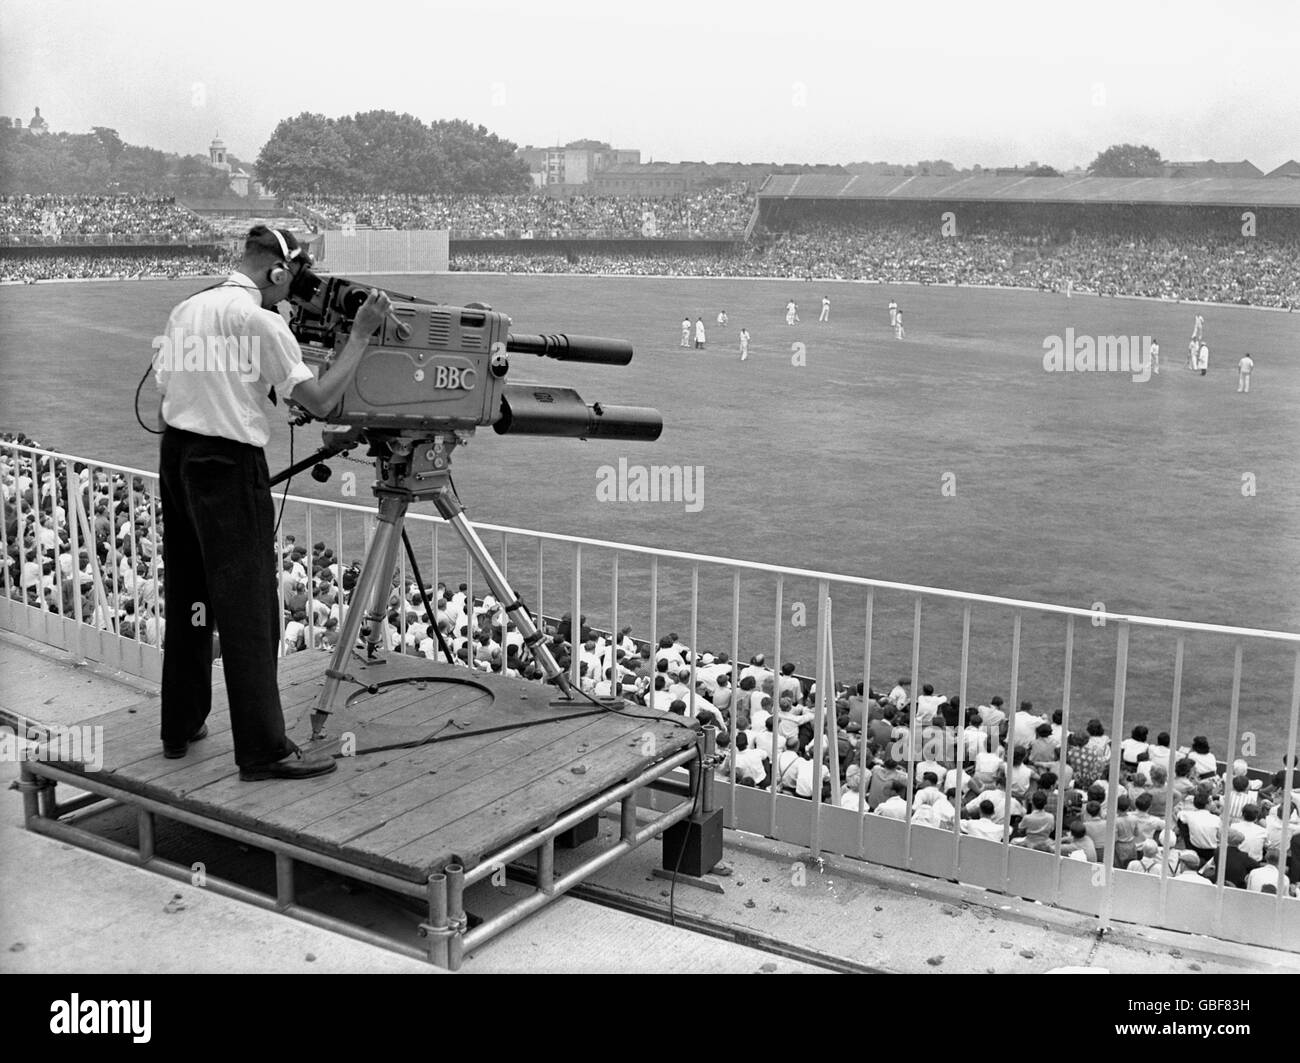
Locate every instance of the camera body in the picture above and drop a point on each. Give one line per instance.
(433, 368)
(428, 366)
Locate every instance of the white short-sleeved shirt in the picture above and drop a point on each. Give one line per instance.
(1246, 364)
(224, 354)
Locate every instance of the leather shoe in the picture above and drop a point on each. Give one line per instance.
(294, 766)
(176, 752)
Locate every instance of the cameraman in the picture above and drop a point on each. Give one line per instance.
(218, 516)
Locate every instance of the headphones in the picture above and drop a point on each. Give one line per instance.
(280, 273)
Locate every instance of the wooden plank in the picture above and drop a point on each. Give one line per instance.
(356, 787)
(146, 713)
(491, 827)
(498, 780)
(144, 747)
(263, 800)
(305, 791)
(138, 739)
(461, 770)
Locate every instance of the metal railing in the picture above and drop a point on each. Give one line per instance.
(704, 597)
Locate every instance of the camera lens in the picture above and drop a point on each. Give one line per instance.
(353, 300)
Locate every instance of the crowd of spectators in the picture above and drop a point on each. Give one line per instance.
(1256, 273)
(1107, 252)
(32, 268)
(979, 769)
(723, 211)
(27, 216)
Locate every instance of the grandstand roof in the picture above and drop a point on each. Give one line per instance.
(1202, 191)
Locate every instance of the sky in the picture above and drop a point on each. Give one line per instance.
(994, 83)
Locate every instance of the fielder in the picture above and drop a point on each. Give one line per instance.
(893, 313)
(898, 325)
(722, 317)
(1244, 367)
(1203, 358)
(744, 344)
(1154, 352)
(791, 312)
(686, 332)
(826, 309)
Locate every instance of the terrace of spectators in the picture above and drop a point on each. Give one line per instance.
(716, 213)
(81, 220)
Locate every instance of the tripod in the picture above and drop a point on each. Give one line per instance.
(415, 469)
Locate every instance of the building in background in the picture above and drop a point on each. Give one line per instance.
(1210, 168)
(219, 159)
(575, 164)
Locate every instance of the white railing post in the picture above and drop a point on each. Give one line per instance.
(1063, 750)
(575, 626)
(1112, 788)
(862, 727)
(959, 747)
(776, 701)
(1225, 814)
(1168, 830)
(819, 719)
(1291, 776)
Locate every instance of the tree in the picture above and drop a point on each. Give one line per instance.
(1044, 171)
(474, 160)
(382, 151)
(1127, 160)
(304, 154)
(111, 143)
(388, 152)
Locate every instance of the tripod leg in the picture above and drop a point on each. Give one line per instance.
(454, 513)
(387, 539)
(376, 574)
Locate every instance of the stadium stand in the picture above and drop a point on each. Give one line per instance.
(712, 213)
(1159, 238)
(57, 218)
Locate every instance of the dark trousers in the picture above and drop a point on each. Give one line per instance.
(220, 570)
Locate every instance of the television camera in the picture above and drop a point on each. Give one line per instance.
(432, 375)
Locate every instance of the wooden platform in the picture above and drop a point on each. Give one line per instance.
(409, 812)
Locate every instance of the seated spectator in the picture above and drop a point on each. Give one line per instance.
(1134, 749)
(1079, 842)
(1187, 870)
(1268, 877)
(1037, 827)
(1202, 827)
(895, 806)
(1148, 860)
(1205, 763)
(984, 825)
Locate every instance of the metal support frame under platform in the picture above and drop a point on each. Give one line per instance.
(447, 929)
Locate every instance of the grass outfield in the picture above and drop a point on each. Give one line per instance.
(1069, 488)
